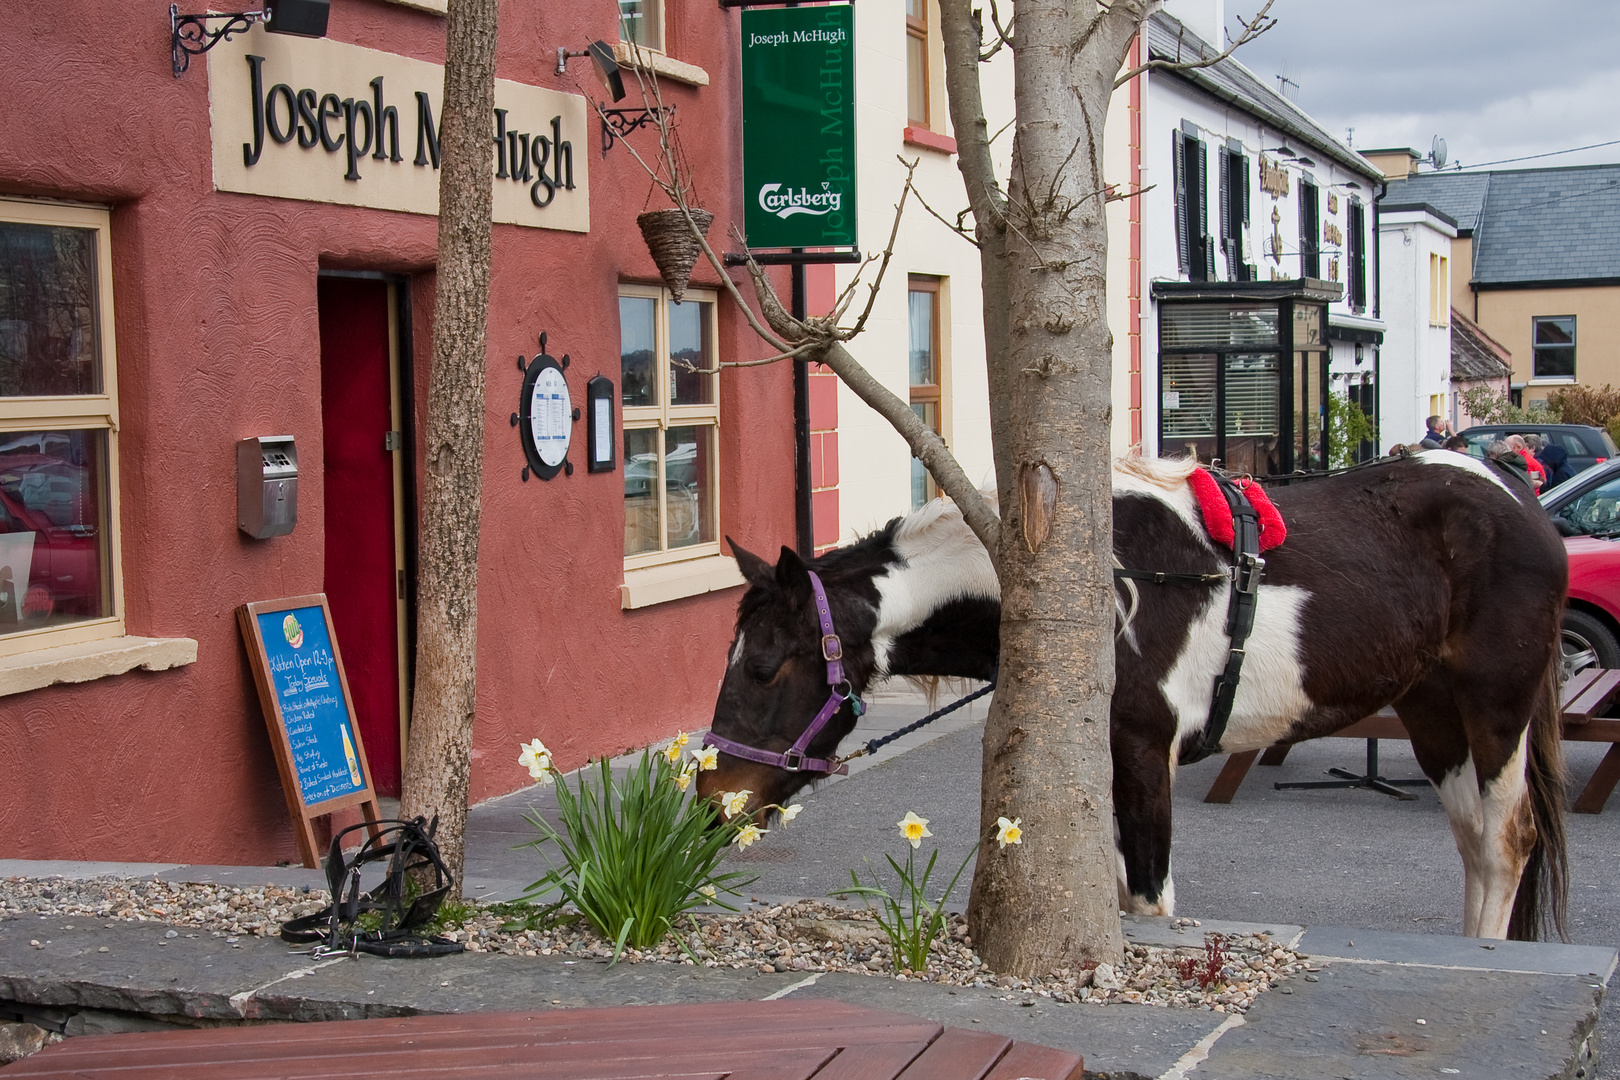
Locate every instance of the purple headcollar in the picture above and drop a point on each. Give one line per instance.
(840, 691)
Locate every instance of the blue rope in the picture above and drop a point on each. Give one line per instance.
(876, 744)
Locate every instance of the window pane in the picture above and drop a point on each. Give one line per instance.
(689, 484)
(1555, 363)
(639, 22)
(53, 547)
(689, 342)
(916, 79)
(640, 490)
(636, 318)
(1555, 331)
(48, 326)
(914, 9)
(1253, 400)
(1183, 325)
(921, 483)
(1310, 418)
(924, 366)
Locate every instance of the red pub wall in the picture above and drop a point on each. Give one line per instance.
(217, 339)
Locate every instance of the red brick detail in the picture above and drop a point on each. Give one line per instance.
(824, 511)
(823, 459)
(820, 289)
(930, 140)
(823, 401)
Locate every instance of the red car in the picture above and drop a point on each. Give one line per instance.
(1591, 630)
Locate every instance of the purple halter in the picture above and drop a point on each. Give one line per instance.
(793, 759)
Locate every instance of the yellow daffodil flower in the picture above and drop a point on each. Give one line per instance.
(683, 779)
(537, 759)
(672, 752)
(914, 828)
(791, 812)
(707, 758)
(1008, 832)
(748, 834)
(734, 801)
(707, 890)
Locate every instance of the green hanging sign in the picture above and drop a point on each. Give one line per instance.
(798, 76)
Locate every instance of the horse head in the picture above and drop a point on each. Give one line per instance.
(777, 682)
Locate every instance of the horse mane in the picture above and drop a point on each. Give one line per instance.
(1167, 473)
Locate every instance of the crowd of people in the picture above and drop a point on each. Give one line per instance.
(1541, 464)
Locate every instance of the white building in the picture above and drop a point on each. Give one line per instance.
(1414, 259)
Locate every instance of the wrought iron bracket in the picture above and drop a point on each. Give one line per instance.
(190, 35)
(617, 123)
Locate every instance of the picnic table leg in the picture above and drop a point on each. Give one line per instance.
(1232, 774)
(1275, 755)
(1596, 792)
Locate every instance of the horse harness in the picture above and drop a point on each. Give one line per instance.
(1244, 577)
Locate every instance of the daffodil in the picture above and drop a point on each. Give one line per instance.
(672, 753)
(707, 758)
(537, 759)
(683, 779)
(1008, 832)
(914, 828)
(791, 812)
(748, 834)
(733, 802)
(707, 890)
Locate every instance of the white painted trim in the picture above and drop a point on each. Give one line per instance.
(89, 660)
(675, 581)
(666, 67)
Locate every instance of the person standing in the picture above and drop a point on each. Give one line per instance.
(1434, 437)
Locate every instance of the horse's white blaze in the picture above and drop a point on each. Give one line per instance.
(941, 561)
(1465, 463)
(1484, 823)
(736, 652)
(1271, 692)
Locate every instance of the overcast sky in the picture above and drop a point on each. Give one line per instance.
(1495, 78)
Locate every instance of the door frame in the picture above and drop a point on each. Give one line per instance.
(402, 413)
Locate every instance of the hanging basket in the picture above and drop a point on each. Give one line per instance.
(674, 249)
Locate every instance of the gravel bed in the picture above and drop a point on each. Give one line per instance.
(806, 935)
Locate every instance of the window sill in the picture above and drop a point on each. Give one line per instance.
(92, 660)
(1552, 380)
(665, 67)
(438, 7)
(676, 581)
(929, 139)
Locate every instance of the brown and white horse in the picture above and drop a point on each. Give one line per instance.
(1433, 583)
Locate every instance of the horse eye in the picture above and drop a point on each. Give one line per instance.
(762, 671)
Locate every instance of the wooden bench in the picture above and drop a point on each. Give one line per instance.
(1585, 694)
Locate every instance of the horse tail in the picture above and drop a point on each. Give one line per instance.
(1544, 885)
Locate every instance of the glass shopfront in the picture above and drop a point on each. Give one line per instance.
(1226, 368)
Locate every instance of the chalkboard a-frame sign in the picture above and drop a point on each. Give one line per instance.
(309, 712)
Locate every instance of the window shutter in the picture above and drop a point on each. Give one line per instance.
(1202, 210)
(1178, 159)
(1226, 200)
(1202, 252)
(1243, 168)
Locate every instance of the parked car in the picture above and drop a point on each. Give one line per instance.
(1587, 504)
(1591, 626)
(1586, 446)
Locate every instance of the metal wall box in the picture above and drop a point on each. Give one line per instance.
(267, 486)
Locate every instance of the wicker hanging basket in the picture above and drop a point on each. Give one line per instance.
(674, 249)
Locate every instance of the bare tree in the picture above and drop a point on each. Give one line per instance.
(439, 758)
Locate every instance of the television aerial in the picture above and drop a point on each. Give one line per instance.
(1437, 153)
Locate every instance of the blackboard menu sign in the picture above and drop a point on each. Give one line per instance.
(308, 710)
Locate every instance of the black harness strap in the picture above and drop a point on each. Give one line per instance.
(1247, 567)
(1159, 577)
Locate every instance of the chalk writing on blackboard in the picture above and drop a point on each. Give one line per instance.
(303, 672)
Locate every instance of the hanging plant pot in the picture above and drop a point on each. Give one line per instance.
(674, 249)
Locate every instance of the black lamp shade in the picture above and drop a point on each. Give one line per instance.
(306, 18)
(607, 68)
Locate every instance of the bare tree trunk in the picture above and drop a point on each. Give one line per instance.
(1051, 903)
(439, 761)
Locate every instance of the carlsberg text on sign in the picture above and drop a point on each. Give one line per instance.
(799, 126)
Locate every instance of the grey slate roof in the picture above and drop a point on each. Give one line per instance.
(1529, 225)
(1230, 81)
(1475, 355)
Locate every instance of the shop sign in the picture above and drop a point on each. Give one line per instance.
(798, 74)
(324, 121)
(1273, 178)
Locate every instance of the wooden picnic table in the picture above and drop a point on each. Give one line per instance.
(729, 1040)
(1584, 695)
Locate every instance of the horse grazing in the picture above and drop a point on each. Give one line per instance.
(1432, 583)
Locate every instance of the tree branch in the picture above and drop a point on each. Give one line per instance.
(1252, 29)
(962, 34)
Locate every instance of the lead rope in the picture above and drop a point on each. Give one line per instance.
(875, 745)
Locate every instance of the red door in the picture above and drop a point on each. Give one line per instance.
(362, 583)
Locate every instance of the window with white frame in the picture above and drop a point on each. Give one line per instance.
(669, 390)
(641, 22)
(59, 564)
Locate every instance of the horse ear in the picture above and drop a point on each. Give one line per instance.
(791, 573)
(754, 568)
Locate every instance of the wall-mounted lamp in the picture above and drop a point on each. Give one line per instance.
(190, 35)
(1284, 150)
(607, 68)
(1305, 163)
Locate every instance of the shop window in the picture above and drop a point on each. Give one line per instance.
(1439, 290)
(58, 429)
(1310, 226)
(917, 62)
(669, 390)
(1356, 254)
(924, 364)
(1190, 164)
(641, 22)
(1553, 339)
